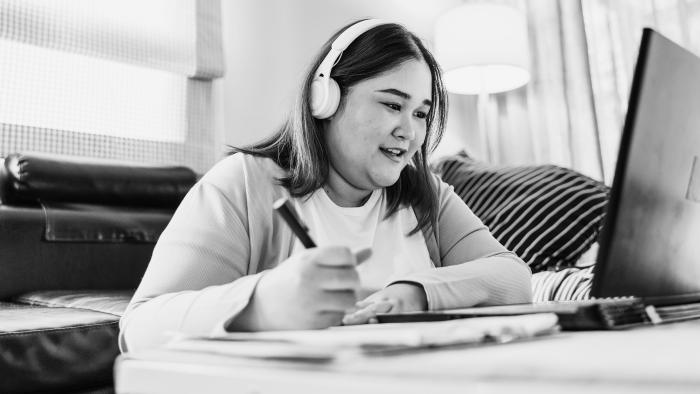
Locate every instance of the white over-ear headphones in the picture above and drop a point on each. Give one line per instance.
(325, 93)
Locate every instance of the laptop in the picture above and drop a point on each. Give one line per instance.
(650, 242)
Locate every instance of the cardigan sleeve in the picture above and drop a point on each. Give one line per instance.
(197, 278)
(475, 269)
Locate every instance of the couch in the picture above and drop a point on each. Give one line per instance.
(75, 239)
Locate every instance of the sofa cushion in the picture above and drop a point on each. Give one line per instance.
(113, 302)
(568, 284)
(28, 178)
(547, 215)
(58, 341)
(31, 263)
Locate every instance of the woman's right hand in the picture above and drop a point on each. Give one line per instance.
(311, 289)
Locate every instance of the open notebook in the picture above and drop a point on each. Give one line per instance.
(598, 314)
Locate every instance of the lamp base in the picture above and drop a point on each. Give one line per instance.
(489, 139)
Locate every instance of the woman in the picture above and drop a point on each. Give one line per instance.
(354, 163)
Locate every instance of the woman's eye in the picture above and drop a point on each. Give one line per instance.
(393, 106)
(421, 115)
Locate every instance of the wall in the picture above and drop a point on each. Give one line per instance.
(269, 43)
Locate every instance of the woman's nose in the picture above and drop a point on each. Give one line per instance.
(405, 129)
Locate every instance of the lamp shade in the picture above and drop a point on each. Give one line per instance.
(483, 48)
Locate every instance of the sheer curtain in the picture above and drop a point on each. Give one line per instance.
(571, 112)
(614, 30)
(116, 79)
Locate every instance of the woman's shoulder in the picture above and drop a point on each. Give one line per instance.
(243, 170)
(442, 189)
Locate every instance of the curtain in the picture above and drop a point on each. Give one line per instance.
(116, 79)
(572, 111)
(614, 30)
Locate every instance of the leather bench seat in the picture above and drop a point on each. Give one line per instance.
(53, 340)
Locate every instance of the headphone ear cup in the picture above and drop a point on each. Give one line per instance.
(333, 98)
(318, 96)
(325, 97)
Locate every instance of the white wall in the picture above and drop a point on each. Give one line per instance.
(268, 45)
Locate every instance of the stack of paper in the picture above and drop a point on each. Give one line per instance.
(327, 344)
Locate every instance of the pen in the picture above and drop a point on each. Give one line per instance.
(285, 208)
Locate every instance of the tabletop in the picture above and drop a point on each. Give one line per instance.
(650, 359)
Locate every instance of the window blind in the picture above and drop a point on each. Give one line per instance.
(117, 79)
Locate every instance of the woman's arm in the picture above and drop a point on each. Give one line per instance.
(476, 269)
(196, 277)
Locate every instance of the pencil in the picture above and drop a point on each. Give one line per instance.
(285, 208)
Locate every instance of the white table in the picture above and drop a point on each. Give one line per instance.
(654, 359)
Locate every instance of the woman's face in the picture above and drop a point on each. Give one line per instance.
(378, 129)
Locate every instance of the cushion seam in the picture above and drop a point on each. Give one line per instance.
(86, 327)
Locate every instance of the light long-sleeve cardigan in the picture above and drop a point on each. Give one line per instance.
(225, 235)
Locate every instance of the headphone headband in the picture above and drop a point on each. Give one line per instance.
(342, 42)
(324, 91)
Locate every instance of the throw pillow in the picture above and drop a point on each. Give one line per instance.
(547, 215)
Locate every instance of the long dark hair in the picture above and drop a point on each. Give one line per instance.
(299, 145)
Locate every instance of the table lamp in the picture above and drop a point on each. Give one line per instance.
(483, 48)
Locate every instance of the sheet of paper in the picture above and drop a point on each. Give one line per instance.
(325, 344)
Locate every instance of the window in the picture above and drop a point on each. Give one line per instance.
(117, 79)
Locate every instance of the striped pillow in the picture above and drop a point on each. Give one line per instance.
(569, 284)
(547, 215)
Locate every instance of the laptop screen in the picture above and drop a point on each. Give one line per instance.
(650, 243)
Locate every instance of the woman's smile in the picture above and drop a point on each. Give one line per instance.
(394, 154)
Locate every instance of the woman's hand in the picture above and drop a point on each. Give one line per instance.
(311, 289)
(396, 298)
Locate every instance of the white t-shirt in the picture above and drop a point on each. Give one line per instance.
(394, 255)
